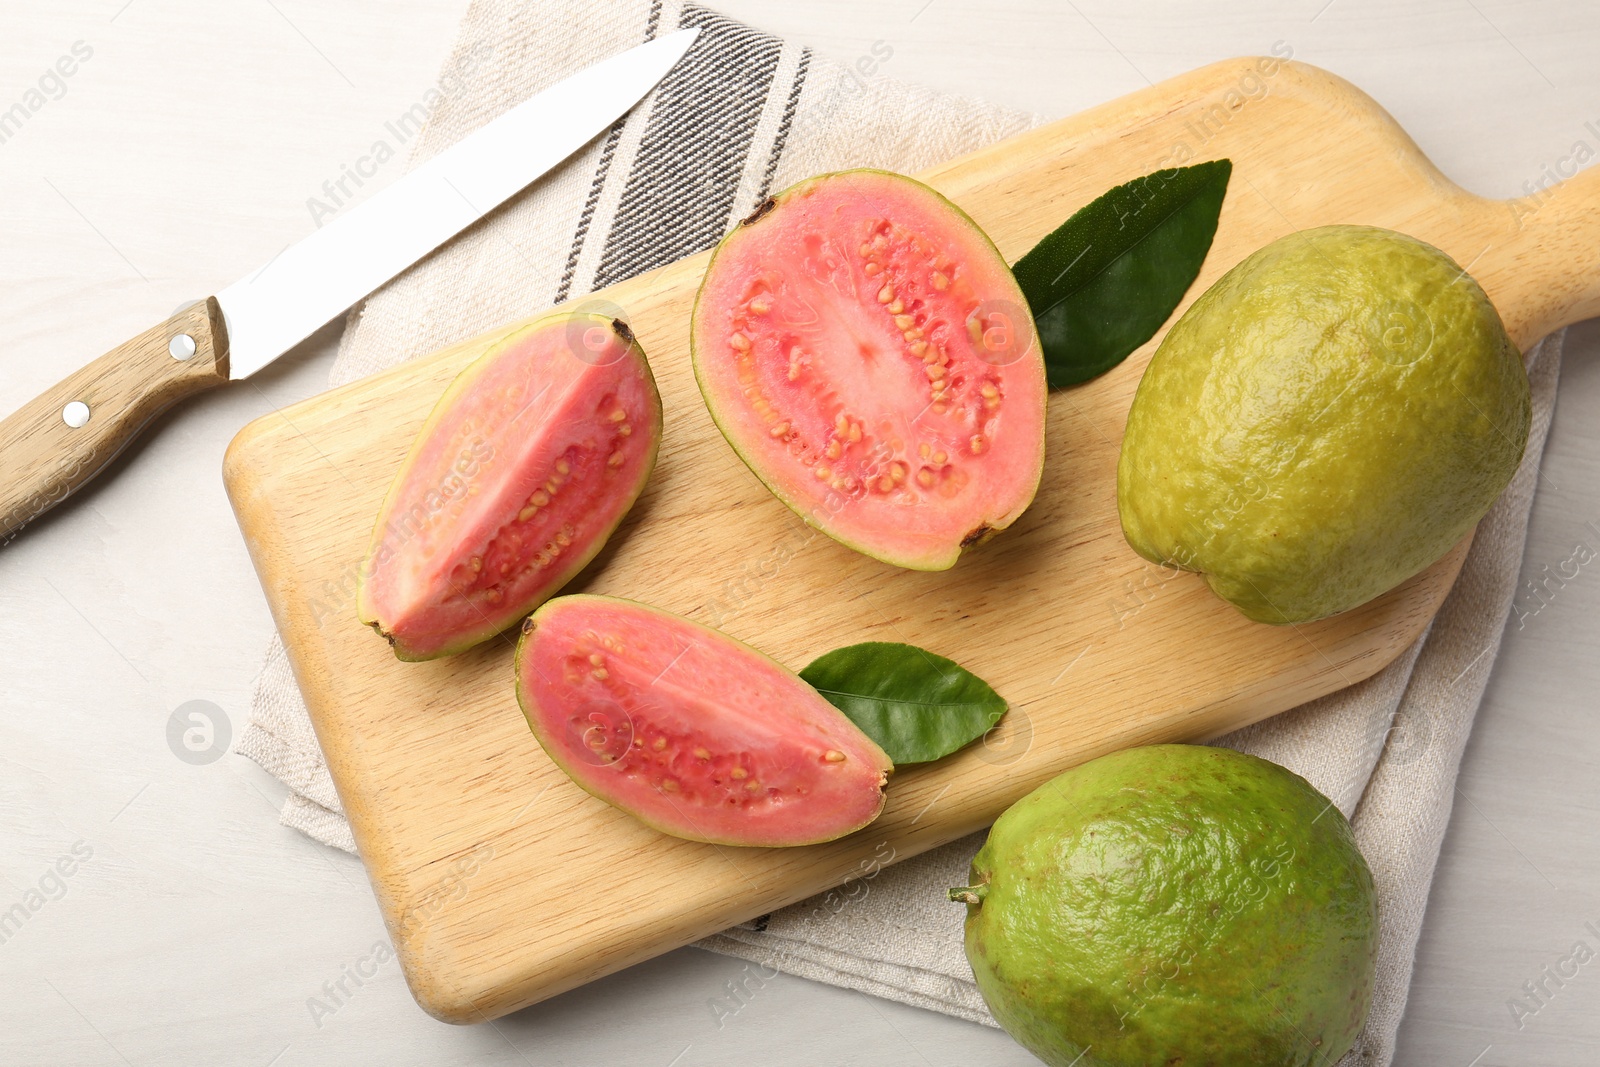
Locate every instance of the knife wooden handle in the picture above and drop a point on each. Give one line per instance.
(57, 441)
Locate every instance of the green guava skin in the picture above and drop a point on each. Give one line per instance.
(1175, 904)
(1328, 419)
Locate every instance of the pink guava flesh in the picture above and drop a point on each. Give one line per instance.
(690, 731)
(865, 349)
(518, 477)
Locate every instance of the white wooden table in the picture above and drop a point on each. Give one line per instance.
(193, 930)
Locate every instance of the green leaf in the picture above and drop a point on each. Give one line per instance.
(1105, 280)
(917, 706)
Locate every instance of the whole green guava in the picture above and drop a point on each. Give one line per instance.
(1325, 421)
(1174, 904)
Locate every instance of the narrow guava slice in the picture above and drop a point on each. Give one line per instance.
(865, 350)
(523, 470)
(690, 731)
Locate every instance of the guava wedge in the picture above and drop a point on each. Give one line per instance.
(523, 470)
(865, 350)
(689, 731)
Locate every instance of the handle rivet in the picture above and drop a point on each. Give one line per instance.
(181, 347)
(75, 414)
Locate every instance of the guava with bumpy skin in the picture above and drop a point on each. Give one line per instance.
(522, 471)
(1329, 418)
(1174, 904)
(690, 731)
(865, 350)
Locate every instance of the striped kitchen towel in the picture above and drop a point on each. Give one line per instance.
(746, 113)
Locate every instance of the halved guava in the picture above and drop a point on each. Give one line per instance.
(865, 350)
(690, 731)
(525, 467)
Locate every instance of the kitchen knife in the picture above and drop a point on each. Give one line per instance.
(56, 442)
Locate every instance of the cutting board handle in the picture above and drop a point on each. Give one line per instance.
(1544, 272)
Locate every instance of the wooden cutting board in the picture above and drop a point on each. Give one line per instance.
(503, 883)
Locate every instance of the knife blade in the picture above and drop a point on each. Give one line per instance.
(58, 441)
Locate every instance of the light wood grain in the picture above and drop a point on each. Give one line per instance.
(46, 460)
(503, 883)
